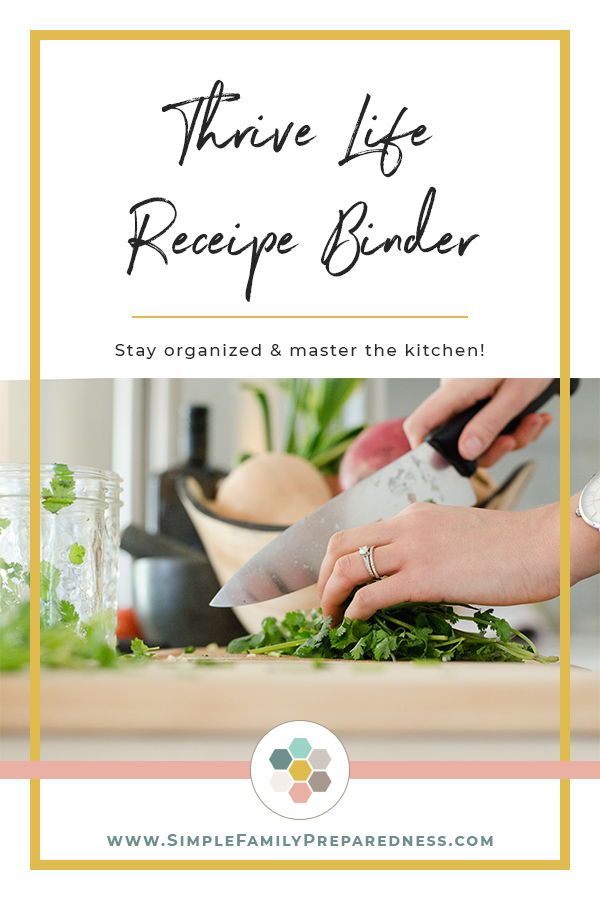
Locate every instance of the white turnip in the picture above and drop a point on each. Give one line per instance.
(272, 489)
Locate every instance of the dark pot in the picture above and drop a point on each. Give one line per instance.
(171, 598)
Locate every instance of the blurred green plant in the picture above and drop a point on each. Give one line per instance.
(64, 644)
(67, 643)
(313, 413)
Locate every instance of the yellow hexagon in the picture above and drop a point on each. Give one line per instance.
(300, 770)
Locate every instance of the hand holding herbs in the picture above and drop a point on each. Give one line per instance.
(408, 631)
(444, 554)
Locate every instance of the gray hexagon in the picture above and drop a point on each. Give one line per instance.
(319, 759)
(319, 782)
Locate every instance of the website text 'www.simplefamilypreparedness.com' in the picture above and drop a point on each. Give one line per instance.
(301, 840)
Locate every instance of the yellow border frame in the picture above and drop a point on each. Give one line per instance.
(563, 37)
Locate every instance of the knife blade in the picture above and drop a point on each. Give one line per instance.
(292, 560)
(434, 471)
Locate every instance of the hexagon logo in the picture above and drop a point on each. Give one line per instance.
(281, 781)
(300, 793)
(280, 759)
(300, 770)
(319, 759)
(319, 782)
(300, 748)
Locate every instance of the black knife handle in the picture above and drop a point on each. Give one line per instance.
(445, 438)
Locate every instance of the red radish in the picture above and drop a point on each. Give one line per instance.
(128, 626)
(373, 449)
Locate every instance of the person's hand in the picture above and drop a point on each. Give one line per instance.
(481, 438)
(448, 554)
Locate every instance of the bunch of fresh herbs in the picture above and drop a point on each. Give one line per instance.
(409, 631)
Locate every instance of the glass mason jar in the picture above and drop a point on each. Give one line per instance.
(79, 520)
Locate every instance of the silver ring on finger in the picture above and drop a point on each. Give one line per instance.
(366, 554)
(372, 565)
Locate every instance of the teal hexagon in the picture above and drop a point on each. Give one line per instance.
(300, 748)
(280, 759)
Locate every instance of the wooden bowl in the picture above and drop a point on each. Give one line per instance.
(229, 544)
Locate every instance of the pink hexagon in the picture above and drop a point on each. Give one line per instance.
(300, 792)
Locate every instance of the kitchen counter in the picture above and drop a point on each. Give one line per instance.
(180, 708)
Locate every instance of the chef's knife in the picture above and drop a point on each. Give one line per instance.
(433, 472)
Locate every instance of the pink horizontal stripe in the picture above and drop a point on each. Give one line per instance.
(218, 769)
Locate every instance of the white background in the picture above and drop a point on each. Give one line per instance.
(491, 108)
(579, 15)
(18, 881)
(522, 816)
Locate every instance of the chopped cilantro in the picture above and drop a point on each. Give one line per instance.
(49, 581)
(64, 644)
(67, 613)
(140, 650)
(76, 554)
(61, 492)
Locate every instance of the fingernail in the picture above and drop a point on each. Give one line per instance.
(472, 447)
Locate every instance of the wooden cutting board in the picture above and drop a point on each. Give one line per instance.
(222, 694)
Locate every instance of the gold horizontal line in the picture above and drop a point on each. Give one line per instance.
(461, 34)
(297, 317)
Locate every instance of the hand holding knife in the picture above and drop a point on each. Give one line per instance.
(435, 471)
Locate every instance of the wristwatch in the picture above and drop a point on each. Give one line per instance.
(588, 508)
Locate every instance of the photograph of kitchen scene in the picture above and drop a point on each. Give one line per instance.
(433, 631)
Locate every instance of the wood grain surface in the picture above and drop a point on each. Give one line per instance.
(180, 695)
